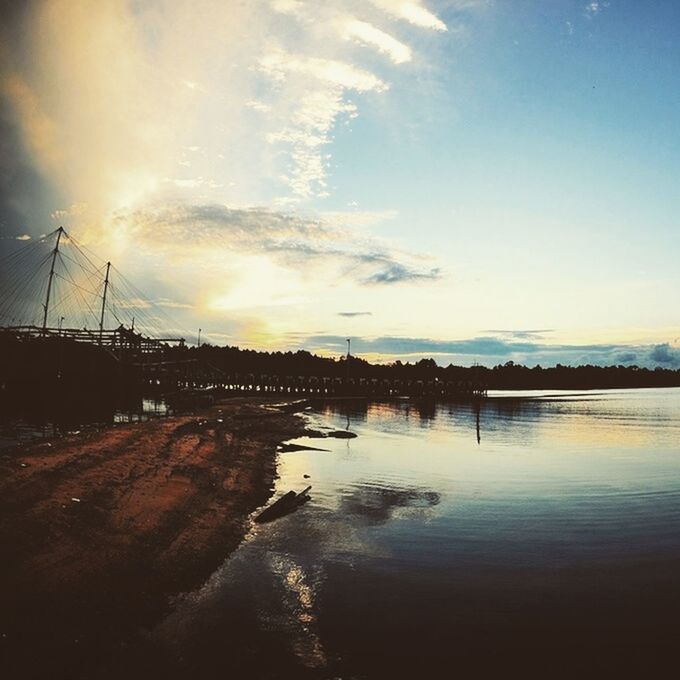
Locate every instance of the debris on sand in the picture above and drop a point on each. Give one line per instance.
(284, 506)
(341, 434)
(288, 448)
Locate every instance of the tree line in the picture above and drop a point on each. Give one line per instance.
(509, 375)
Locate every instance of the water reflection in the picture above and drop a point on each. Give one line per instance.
(41, 417)
(614, 415)
(376, 504)
(427, 542)
(297, 615)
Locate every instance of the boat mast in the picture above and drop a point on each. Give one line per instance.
(106, 287)
(55, 252)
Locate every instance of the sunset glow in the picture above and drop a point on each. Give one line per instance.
(473, 180)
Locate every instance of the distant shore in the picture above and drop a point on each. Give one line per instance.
(100, 529)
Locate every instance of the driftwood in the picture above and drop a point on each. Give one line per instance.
(283, 506)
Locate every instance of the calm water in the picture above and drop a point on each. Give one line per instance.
(532, 531)
(19, 426)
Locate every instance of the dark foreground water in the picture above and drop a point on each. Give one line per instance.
(60, 417)
(539, 535)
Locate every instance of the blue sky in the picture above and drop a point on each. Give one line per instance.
(445, 168)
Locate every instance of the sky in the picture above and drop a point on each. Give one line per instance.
(478, 181)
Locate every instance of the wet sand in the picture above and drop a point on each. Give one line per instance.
(100, 530)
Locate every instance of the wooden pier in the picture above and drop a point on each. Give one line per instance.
(315, 386)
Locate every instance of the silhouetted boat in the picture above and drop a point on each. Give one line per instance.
(283, 506)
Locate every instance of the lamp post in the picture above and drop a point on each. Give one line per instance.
(199, 338)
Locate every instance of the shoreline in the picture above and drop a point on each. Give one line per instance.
(101, 529)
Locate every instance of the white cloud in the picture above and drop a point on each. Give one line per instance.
(306, 134)
(180, 84)
(593, 8)
(321, 85)
(366, 33)
(287, 6)
(414, 12)
(74, 211)
(256, 105)
(279, 64)
(309, 127)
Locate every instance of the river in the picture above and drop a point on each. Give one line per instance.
(536, 531)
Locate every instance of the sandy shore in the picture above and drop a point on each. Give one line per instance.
(100, 530)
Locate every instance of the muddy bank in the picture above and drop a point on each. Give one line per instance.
(99, 531)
